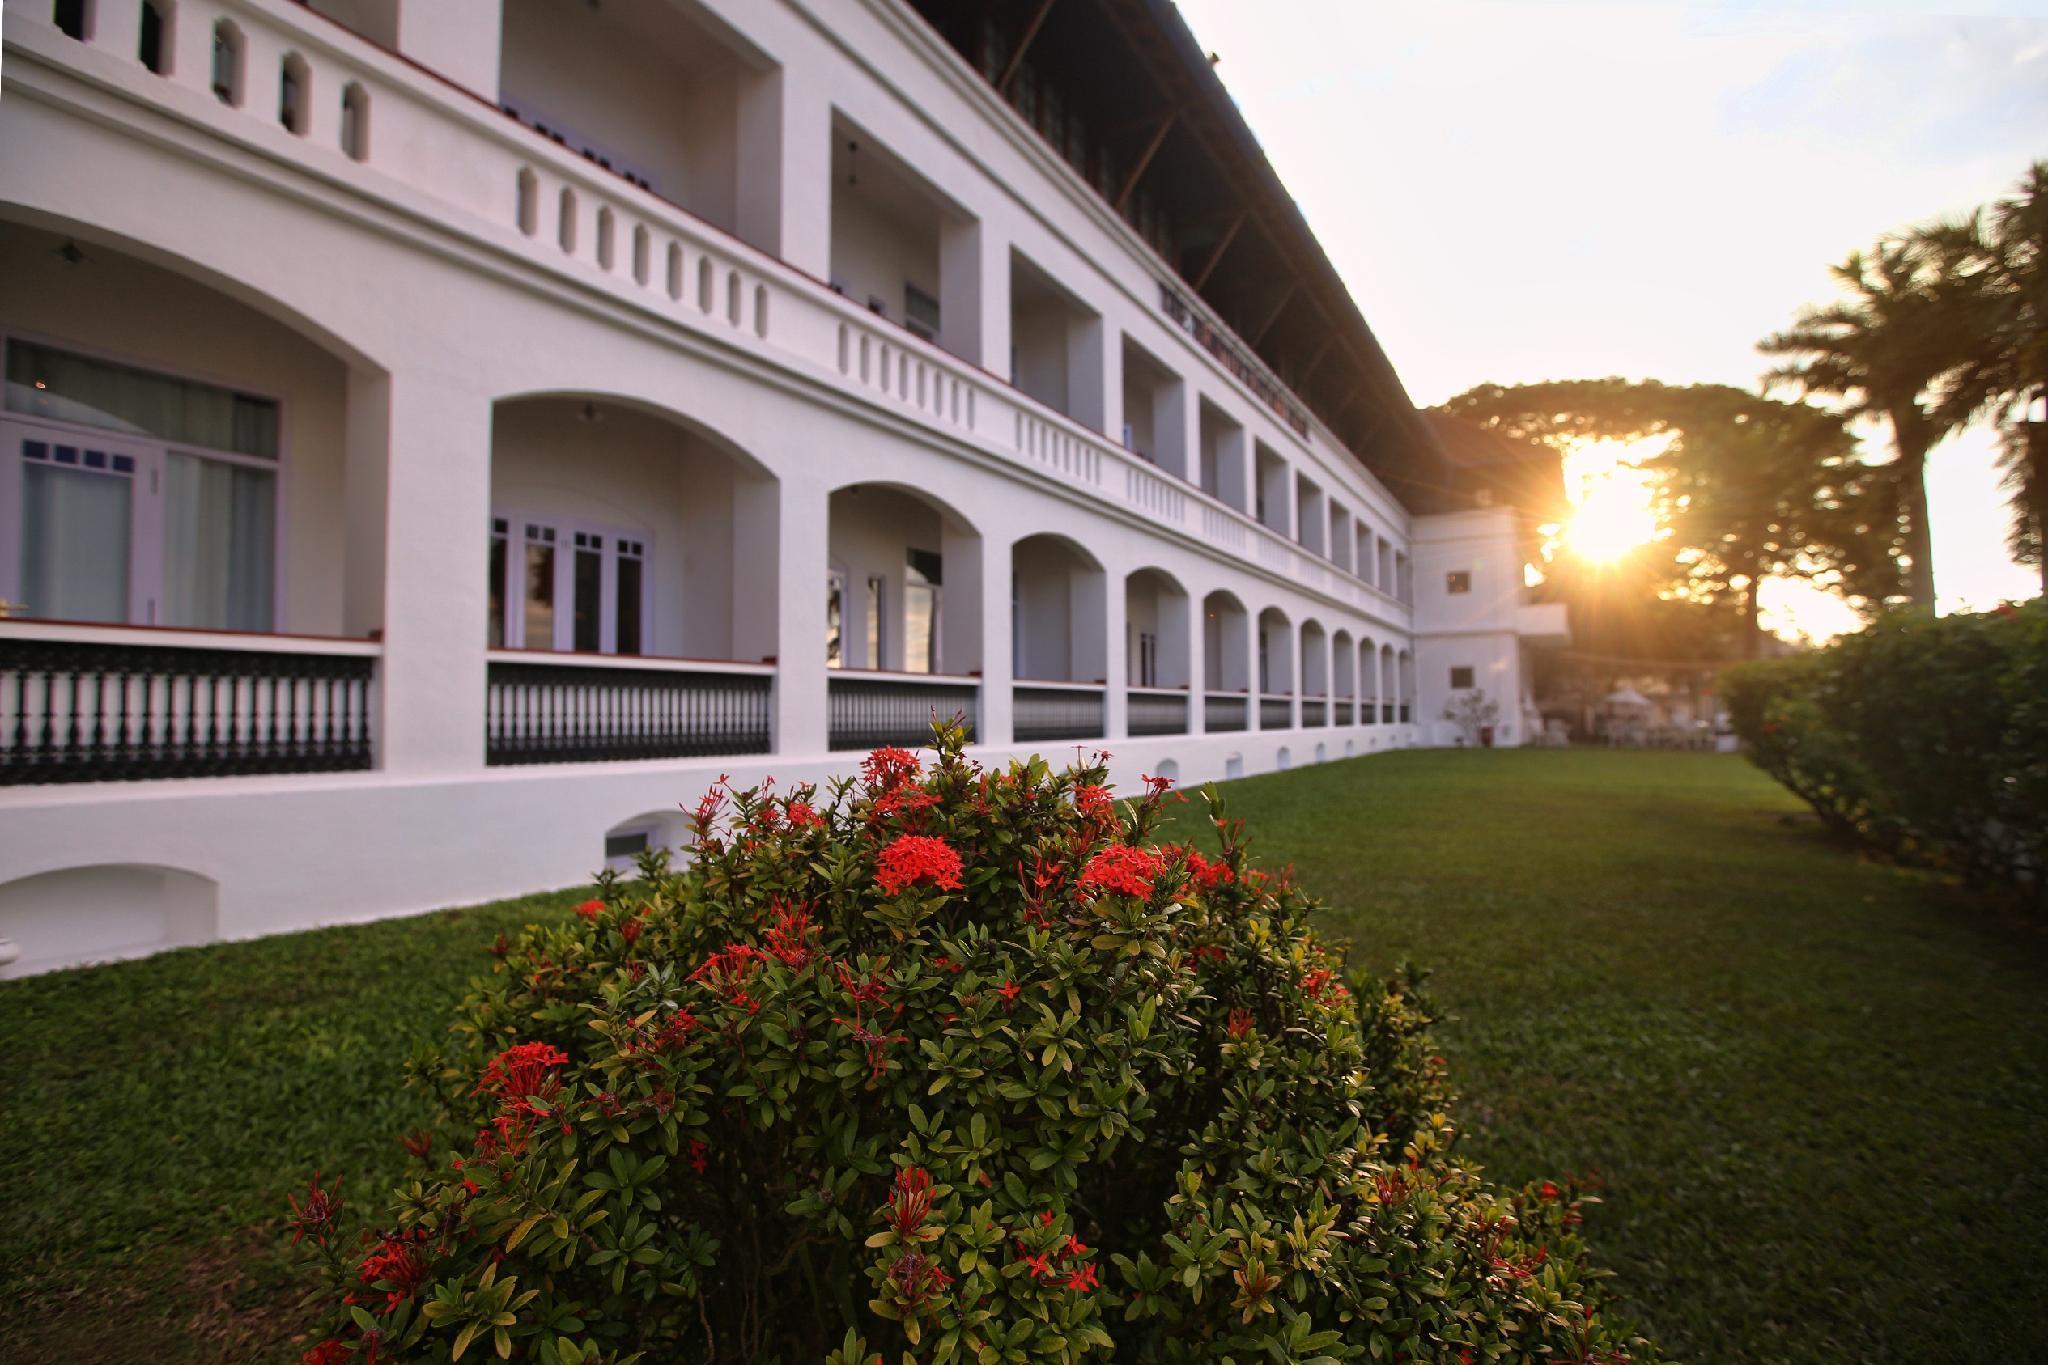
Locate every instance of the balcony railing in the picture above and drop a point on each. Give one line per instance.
(1314, 711)
(1223, 712)
(114, 704)
(1386, 713)
(1055, 711)
(1156, 711)
(875, 710)
(1406, 710)
(617, 710)
(1342, 713)
(1275, 712)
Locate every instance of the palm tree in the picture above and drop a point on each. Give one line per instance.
(1999, 325)
(1882, 352)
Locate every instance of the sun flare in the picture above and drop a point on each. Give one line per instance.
(1611, 511)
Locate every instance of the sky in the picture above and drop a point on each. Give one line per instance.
(1518, 190)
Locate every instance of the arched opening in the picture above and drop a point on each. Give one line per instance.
(294, 81)
(529, 201)
(1059, 640)
(355, 126)
(1167, 769)
(1284, 759)
(625, 841)
(1407, 683)
(632, 585)
(903, 615)
(1343, 679)
(1157, 655)
(1368, 682)
(607, 228)
(565, 220)
(1387, 686)
(1276, 670)
(179, 454)
(1233, 767)
(228, 49)
(1315, 674)
(641, 251)
(1226, 662)
(106, 911)
(153, 42)
(1322, 753)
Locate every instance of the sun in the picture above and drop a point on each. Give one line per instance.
(1611, 506)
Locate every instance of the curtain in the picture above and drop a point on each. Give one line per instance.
(47, 382)
(74, 543)
(220, 540)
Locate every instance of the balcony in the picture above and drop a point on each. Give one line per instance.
(510, 188)
(592, 708)
(872, 710)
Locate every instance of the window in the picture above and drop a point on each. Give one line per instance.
(150, 48)
(70, 18)
(146, 499)
(1148, 660)
(293, 80)
(1458, 581)
(624, 848)
(1461, 677)
(920, 313)
(227, 63)
(355, 124)
(835, 620)
(921, 579)
(572, 587)
(877, 595)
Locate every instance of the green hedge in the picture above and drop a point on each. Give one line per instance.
(1926, 738)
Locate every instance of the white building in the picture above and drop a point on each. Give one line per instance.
(442, 435)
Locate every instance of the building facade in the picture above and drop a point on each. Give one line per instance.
(442, 436)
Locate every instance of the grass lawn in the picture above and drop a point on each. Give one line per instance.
(1817, 1088)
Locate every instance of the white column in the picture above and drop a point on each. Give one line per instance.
(1117, 658)
(1113, 415)
(437, 507)
(1254, 689)
(998, 672)
(800, 673)
(1087, 373)
(784, 188)
(974, 294)
(1199, 681)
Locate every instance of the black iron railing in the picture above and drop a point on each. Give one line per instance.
(1275, 713)
(1343, 713)
(1386, 713)
(1405, 711)
(1314, 711)
(581, 713)
(1048, 713)
(1156, 713)
(1223, 712)
(871, 713)
(122, 712)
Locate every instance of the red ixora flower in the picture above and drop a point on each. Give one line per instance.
(803, 815)
(316, 1217)
(1094, 801)
(1123, 869)
(590, 909)
(886, 769)
(910, 1202)
(522, 1072)
(328, 1352)
(918, 860)
(418, 1143)
(399, 1267)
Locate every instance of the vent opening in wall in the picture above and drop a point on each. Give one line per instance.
(292, 81)
(73, 18)
(355, 122)
(151, 49)
(227, 63)
(1461, 677)
(1233, 767)
(624, 846)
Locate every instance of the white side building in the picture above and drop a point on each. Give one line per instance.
(441, 436)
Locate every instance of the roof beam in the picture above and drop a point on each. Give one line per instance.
(1286, 297)
(1023, 46)
(1216, 256)
(1144, 160)
(1322, 351)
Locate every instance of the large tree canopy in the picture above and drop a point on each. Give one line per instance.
(1745, 488)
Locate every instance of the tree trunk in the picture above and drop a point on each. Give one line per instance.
(1752, 627)
(1910, 436)
(2036, 492)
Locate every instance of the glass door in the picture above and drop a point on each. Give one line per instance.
(83, 524)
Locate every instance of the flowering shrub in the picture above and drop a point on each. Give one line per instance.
(1925, 738)
(947, 1065)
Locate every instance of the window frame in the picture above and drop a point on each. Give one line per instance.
(1457, 582)
(157, 450)
(567, 529)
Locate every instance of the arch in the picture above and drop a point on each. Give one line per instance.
(1277, 669)
(1350, 747)
(229, 53)
(1406, 679)
(1322, 752)
(642, 250)
(654, 829)
(675, 271)
(294, 85)
(528, 201)
(1167, 768)
(100, 911)
(355, 123)
(905, 570)
(565, 220)
(1226, 661)
(607, 232)
(1059, 604)
(1233, 767)
(1388, 690)
(595, 500)
(1283, 759)
(1343, 677)
(1158, 644)
(1368, 681)
(1314, 682)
